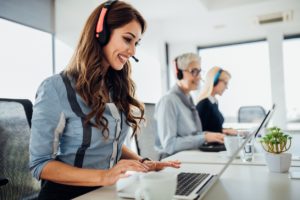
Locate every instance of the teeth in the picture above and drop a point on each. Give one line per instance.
(124, 58)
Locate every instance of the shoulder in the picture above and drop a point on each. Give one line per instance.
(51, 85)
(170, 98)
(168, 103)
(203, 102)
(54, 80)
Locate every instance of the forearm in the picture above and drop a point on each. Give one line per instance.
(129, 154)
(59, 172)
(188, 142)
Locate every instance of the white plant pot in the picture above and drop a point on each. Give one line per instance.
(278, 162)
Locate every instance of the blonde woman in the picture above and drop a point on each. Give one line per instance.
(216, 83)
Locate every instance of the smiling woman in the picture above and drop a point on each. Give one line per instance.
(81, 117)
(178, 124)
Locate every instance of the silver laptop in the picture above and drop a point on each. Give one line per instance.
(195, 185)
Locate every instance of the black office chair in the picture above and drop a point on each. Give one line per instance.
(145, 139)
(251, 114)
(14, 150)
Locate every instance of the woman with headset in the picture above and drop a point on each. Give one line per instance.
(178, 124)
(216, 83)
(82, 115)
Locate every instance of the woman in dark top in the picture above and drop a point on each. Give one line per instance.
(216, 83)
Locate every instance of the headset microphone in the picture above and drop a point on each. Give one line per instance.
(135, 59)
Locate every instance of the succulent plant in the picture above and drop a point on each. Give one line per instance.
(275, 141)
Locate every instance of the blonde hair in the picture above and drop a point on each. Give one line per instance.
(209, 81)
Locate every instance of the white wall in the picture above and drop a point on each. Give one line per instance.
(150, 73)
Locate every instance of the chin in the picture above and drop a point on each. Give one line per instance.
(117, 67)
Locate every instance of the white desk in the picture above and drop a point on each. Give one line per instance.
(196, 157)
(245, 182)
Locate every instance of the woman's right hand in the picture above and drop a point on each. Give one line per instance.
(214, 137)
(118, 171)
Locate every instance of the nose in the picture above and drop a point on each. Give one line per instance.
(131, 49)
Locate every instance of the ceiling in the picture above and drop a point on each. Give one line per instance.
(204, 22)
(218, 21)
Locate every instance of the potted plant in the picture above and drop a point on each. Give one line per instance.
(275, 143)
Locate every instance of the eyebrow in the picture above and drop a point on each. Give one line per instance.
(132, 35)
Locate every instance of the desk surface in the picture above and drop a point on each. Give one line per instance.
(245, 182)
(195, 157)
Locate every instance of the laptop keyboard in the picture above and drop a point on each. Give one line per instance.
(187, 182)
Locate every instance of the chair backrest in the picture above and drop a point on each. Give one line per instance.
(145, 139)
(14, 151)
(251, 114)
(27, 105)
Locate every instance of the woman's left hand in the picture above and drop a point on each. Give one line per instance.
(159, 165)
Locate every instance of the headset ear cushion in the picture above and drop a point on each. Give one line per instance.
(103, 37)
(216, 82)
(179, 74)
(217, 76)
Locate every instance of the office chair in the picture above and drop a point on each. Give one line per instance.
(27, 105)
(251, 114)
(145, 139)
(14, 150)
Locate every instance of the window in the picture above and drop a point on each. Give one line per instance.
(291, 49)
(146, 75)
(26, 59)
(248, 64)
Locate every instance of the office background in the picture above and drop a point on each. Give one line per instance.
(258, 41)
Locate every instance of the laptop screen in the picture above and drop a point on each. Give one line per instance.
(266, 120)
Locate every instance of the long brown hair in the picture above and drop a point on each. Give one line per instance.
(91, 77)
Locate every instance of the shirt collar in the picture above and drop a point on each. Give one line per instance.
(213, 99)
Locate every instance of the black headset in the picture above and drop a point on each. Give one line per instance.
(217, 76)
(179, 73)
(102, 31)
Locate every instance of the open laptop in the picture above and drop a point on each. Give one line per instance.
(193, 185)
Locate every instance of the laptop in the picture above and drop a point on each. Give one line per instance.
(192, 185)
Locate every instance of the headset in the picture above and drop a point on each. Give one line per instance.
(217, 76)
(102, 31)
(179, 73)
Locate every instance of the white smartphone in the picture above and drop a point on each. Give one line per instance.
(295, 175)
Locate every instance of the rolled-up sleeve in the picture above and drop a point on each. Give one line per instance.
(167, 122)
(46, 116)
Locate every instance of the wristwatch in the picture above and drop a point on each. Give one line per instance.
(144, 159)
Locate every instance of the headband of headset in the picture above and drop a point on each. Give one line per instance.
(102, 32)
(217, 76)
